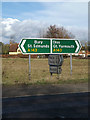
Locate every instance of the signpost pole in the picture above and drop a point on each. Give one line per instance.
(57, 73)
(51, 76)
(29, 67)
(57, 76)
(71, 63)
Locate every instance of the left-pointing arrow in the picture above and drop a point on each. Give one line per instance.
(22, 45)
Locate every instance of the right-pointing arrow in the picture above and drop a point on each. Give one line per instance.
(77, 47)
(23, 45)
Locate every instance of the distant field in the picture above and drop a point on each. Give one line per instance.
(15, 71)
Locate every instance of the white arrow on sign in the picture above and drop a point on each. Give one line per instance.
(77, 46)
(23, 45)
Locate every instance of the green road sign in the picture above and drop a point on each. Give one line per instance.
(49, 46)
(35, 46)
(65, 46)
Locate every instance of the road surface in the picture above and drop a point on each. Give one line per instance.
(72, 105)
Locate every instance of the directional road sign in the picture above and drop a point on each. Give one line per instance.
(65, 46)
(49, 46)
(35, 46)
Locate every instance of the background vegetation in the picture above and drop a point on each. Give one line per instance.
(52, 32)
(15, 71)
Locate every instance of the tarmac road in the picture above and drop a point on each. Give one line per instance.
(72, 105)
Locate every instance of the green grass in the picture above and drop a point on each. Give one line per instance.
(15, 71)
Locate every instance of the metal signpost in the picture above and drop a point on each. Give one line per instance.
(29, 67)
(55, 62)
(49, 46)
(71, 63)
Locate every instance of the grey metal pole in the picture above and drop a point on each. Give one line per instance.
(71, 63)
(29, 67)
(57, 73)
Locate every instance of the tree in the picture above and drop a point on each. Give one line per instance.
(57, 32)
(83, 47)
(5, 48)
(86, 46)
(0, 47)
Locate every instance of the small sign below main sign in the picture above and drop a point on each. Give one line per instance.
(55, 62)
(55, 69)
(55, 59)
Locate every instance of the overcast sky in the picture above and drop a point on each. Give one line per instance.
(27, 19)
